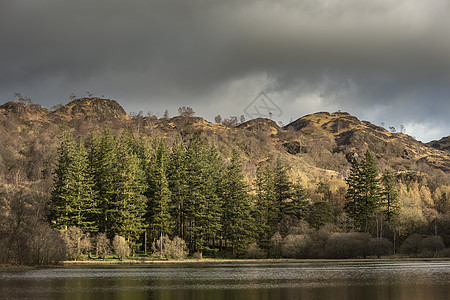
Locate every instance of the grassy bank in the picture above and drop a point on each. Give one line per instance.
(264, 260)
(13, 268)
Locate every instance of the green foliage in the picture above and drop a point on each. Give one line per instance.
(237, 222)
(128, 205)
(364, 192)
(159, 194)
(390, 198)
(178, 185)
(203, 208)
(319, 213)
(73, 196)
(273, 192)
(104, 168)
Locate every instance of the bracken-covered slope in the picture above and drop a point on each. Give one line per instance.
(343, 133)
(320, 144)
(442, 144)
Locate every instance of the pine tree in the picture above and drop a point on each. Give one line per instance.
(128, 205)
(263, 208)
(298, 204)
(73, 197)
(282, 189)
(364, 192)
(177, 180)
(104, 169)
(60, 204)
(202, 213)
(160, 220)
(237, 222)
(389, 203)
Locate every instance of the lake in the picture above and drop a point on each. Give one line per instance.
(275, 280)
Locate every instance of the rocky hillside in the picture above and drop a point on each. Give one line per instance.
(442, 144)
(316, 145)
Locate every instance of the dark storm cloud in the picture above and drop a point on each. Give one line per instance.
(385, 61)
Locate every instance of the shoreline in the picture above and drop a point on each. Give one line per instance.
(19, 268)
(225, 261)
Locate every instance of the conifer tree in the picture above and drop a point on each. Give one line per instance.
(177, 180)
(298, 204)
(128, 204)
(282, 190)
(237, 222)
(73, 197)
(202, 213)
(364, 192)
(390, 197)
(60, 208)
(104, 168)
(265, 197)
(160, 220)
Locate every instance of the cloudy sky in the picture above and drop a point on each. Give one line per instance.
(383, 61)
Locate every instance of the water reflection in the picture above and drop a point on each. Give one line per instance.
(329, 280)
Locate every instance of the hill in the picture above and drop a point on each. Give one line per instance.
(316, 144)
(442, 144)
(311, 157)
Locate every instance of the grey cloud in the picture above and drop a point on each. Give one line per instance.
(391, 57)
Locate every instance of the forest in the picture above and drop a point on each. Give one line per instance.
(127, 193)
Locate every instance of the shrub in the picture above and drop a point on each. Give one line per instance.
(379, 247)
(77, 243)
(412, 245)
(174, 249)
(296, 246)
(347, 245)
(121, 248)
(431, 245)
(253, 251)
(275, 243)
(102, 245)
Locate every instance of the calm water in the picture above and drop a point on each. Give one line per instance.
(330, 280)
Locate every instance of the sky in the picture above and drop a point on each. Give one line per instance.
(384, 61)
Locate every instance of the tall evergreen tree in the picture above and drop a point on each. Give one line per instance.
(389, 203)
(263, 214)
(73, 197)
(364, 192)
(160, 220)
(128, 205)
(237, 222)
(298, 204)
(282, 189)
(104, 168)
(177, 180)
(202, 213)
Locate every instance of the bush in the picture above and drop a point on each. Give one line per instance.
(172, 249)
(77, 243)
(275, 243)
(253, 251)
(412, 245)
(379, 247)
(121, 248)
(102, 245)
(295, 246)
(431, 245)
(444, 252)
(347, 245)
